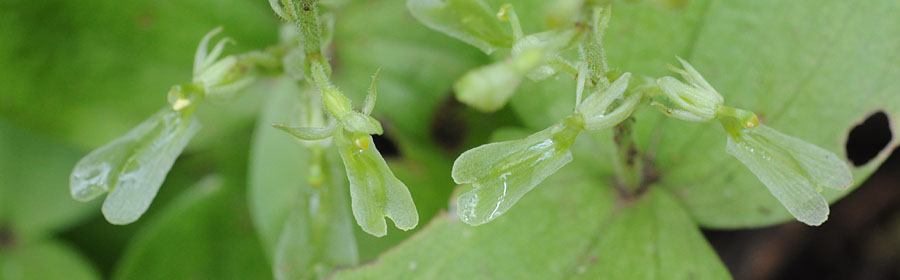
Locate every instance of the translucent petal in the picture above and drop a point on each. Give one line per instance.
(502, 173)
(201, 54)
(691, 75)
(781, 175)
(610, 119)
(217, 51)
(597, 104)
(134, 166)
(358, 122)
(821, 166)
(470, 21)
(375, 192)
(215, 73)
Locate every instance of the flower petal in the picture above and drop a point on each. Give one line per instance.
(502, 173)
(374, 190)
(134, 166)
(781, 175)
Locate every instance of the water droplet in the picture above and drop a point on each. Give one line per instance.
(496, 211)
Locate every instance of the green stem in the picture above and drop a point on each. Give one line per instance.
(628, 164)
(507, 13)
(308, 20)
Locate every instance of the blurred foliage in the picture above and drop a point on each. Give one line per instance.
(79, 73)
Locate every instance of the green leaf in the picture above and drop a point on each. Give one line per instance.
(203, 234)
(305, 231)
(502, 173)
(653, 238)
(471, 21)
(375, 192)
(133, 167)
(570, 228)
(33, 200)
(45, 260)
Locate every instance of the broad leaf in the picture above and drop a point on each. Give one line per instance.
(571, 228)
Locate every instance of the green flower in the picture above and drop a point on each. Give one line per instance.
(132, 168)
(501, 173)
(374, 190)
(596, 108)
(794, 171)
(214, 78)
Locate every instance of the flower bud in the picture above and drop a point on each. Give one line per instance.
(489, 88)
(695, 100)
(220, 79)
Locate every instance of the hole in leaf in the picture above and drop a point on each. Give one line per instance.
(386, 145)
(868, 139)
(448, 127)
(6, 237)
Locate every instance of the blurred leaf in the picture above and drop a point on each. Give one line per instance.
(34, 199)
(276, 174)
(471, 21)
(307, 230)
(100, 66)
(46, 260)
(204, 234)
